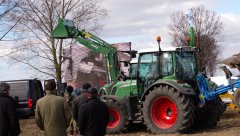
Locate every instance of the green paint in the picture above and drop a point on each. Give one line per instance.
(191, 34)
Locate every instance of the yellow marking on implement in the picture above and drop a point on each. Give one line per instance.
(233, 106)
(87, 34)
(201, 96)
(227, 95)
(230, 105)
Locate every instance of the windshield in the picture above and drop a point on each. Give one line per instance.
(133, 70)
(186, 65)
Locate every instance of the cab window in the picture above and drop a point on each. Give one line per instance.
(166, 64)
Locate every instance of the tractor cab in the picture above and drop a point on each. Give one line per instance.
(186, 68)
(173, 63)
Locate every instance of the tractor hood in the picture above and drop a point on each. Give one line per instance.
(121, 88)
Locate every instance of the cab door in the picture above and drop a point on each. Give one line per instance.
(148, 71)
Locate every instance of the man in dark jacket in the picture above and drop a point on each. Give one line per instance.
(79, 101)
(93, 116)
(9, 120)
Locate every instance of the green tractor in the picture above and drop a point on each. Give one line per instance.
(163, 93)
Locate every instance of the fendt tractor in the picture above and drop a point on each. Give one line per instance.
(164, 93)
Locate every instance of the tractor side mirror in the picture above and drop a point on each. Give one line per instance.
(198, 50)
(126, 64)
(133, 53)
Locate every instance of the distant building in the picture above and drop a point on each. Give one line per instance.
(82, 65)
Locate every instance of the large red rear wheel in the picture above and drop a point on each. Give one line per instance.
(166, 110)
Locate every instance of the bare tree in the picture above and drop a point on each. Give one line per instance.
(6, 7)
(35, 47)
(207, 30)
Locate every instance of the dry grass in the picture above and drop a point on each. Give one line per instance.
(228, 126)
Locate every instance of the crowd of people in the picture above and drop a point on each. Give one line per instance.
(81, 113)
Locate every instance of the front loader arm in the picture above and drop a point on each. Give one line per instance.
(66, 29)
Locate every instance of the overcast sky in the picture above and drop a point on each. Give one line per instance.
(140, 21)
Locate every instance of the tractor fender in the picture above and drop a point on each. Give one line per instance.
(115, 99)
(111, 97)
(184, 90)
(123, 100)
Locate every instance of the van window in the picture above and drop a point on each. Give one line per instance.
(19, 89)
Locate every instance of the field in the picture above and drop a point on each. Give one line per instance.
(229, 125)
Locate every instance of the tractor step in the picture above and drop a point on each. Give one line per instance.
(139, 107)
(138, 114)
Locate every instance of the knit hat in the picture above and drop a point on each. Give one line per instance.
(92, 91)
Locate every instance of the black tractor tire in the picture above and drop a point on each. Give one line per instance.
(118, 117)
(208, 116)
(237, 98)
(166, 110)
(223, 106)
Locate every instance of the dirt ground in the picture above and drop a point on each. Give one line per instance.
(229, 125)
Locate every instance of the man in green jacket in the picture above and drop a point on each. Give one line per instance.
(52, 114)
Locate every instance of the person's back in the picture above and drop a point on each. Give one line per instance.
(80, 100)
(9, 121)
(97, 117)
(8, 117)
(93, 118)
(53, 115)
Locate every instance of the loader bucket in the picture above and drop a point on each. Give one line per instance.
(63, 29)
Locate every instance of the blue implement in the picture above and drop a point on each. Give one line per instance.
(210, 94)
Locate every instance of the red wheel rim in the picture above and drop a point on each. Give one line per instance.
(114, 118)
(164, 112)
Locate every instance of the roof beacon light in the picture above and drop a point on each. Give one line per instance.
(158, 40)
(188, 39)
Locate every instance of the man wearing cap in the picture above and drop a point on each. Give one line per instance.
(9, 120)
(52, 114)
(93, 116)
